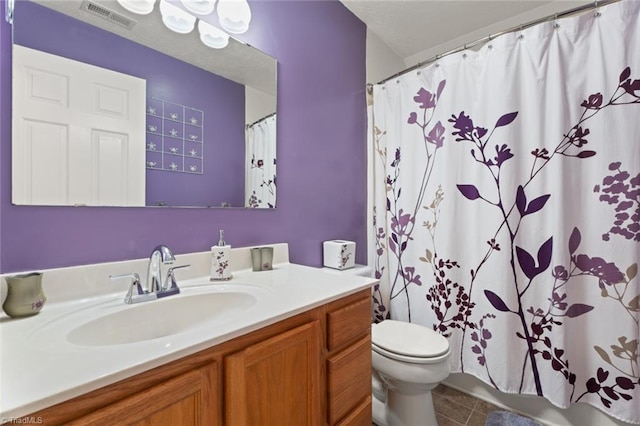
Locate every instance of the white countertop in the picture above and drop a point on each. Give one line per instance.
(38, 370)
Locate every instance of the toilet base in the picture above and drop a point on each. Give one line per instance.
(404, 410)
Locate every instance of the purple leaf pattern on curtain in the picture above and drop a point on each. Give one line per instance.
(622, 192)
(403, 222)
(517, 206)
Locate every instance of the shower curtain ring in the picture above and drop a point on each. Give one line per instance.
(9, 8)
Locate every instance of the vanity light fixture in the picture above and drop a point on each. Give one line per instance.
(212, 36)
(234, 15)
(141, 7)
(176, 19)
(199, 7)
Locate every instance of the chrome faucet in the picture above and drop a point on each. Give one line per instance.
(155, 288)
(161, 255)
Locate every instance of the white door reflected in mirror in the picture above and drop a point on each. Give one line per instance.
(73, 127)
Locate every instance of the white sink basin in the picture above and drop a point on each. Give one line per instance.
(159, 318)
(110, 322)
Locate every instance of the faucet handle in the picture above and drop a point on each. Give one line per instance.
(170, 283)
(135, 282)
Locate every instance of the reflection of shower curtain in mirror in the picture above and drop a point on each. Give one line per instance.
(260, 173)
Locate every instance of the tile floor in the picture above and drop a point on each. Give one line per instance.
(455, 408)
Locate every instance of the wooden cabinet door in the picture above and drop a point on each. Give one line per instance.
(276, 381)
(186, 400)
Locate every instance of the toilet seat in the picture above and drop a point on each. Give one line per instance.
(408, 342)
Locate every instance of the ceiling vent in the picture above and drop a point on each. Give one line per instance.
(107, 14)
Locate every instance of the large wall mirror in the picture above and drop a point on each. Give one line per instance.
(111, 108)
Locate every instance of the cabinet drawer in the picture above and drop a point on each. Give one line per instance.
(349, 379)
(361, 416)
(348, 323)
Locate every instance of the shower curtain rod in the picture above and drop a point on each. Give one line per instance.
(490, 37)
(259, 120)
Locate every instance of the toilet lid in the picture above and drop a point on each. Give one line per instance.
(408, 339)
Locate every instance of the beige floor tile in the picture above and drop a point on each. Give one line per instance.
(445, 421)
(477, 418)
(486, 407)
(451, 409)
(439, 390)
(460, 397)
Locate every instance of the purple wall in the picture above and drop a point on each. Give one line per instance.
(320, 48)
(168, 79)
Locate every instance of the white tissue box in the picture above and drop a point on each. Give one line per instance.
(339, 254)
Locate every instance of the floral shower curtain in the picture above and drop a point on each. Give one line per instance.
(507, 208)
(260, 170)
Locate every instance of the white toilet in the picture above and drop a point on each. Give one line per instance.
(408, 361)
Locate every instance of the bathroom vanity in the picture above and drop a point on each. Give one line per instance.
(311, 369)
(299, 355)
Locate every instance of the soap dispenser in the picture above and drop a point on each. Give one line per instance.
(220, 258)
